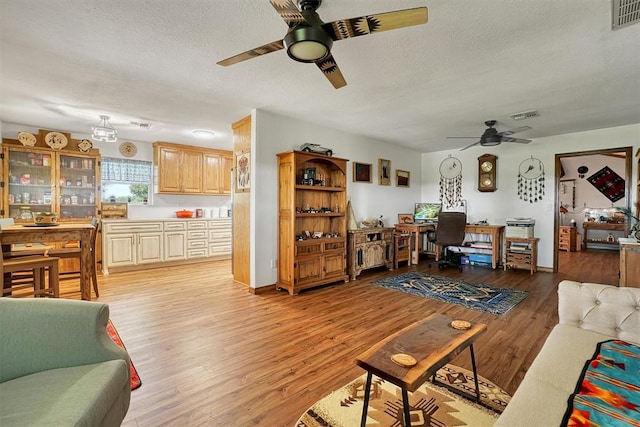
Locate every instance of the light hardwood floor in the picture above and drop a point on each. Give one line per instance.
(211, 353)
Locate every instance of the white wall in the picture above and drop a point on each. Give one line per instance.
(277, 134)
(504, 203)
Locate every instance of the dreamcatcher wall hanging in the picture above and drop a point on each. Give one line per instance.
(451, 182)
(531, 180)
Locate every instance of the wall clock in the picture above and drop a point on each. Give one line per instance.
(450, 181)
(487, 173)
(531, 180)
(128, 149)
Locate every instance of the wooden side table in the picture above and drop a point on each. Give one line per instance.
(629, 263)
(521, 253)
(433, 342)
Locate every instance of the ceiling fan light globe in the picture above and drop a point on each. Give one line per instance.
(307, 44)
(490, 143)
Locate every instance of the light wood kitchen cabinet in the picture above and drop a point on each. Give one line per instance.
(312, 227)
(217, 173)
(175, 240)
(185, 169)
(132, 243)
(141, 244)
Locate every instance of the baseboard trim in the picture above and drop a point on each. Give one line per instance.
(262, 289)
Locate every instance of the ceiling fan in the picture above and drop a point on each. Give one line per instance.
(309, 39)
(492, 137)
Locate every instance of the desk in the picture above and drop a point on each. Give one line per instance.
(61, 233)
(433, 342)
(415, 230)
(495, 231)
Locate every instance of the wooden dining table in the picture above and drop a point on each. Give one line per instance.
(62, 232)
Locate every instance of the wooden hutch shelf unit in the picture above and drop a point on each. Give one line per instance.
(369, 248)
(312, 201)
(41, 179)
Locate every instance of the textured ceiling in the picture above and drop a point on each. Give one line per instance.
(65, 62)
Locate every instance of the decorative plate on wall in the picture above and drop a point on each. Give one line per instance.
(56, 140)
(128, 149)
(85, 145)
(27, 139)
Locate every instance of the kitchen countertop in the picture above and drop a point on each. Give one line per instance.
(163, 219)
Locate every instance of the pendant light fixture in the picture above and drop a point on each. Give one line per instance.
(104, 131)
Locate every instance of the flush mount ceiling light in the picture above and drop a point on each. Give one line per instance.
(203, 133)
(104, 131)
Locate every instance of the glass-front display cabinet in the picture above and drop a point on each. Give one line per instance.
(44, 180)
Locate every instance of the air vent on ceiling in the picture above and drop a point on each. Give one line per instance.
(141, 125)
(524, 115)
(625, 12)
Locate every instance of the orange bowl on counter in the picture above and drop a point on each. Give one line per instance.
(184, 214)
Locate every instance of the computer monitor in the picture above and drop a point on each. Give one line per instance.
(426, 212)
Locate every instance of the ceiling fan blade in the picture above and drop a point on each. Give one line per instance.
(469, 146)
(331, 71)
(362, 25)
(518, 140)
(288, 11)
(262, 50)
(515, 130)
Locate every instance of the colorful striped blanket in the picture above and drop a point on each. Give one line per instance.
(608, 393)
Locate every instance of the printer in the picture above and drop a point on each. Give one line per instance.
(519, 227)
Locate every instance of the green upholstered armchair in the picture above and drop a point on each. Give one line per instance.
(58, 366)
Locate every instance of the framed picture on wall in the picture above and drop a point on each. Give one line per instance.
(362, 172)
(402, 178)
(243, 168)
(384, 172)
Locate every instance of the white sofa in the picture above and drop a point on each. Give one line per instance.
(589, 313)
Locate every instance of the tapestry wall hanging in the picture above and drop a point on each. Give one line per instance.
(531, 180)
(450, 182)
(608, 183)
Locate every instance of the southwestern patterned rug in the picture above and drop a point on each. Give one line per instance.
(471, 295)
(431, 405)
(115, 337)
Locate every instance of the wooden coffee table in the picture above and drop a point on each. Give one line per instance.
(433, 342)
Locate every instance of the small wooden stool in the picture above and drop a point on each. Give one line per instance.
(401, 249)
(39, 265)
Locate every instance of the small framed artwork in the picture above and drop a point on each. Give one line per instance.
(384, 172)
(361, 172)
(402, 178)
(405, 218)
(243, 168)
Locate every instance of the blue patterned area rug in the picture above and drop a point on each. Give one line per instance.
(471, 295)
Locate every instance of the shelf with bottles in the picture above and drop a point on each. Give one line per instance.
(77, 163)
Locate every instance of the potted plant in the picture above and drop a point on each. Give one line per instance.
(634, 221)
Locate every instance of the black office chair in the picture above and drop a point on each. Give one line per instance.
(449, 232)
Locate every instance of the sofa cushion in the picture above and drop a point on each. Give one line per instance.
(552, 377)
(80, 395)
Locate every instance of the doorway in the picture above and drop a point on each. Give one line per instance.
(578, 198)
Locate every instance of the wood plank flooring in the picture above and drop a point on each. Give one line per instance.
(211, 353)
